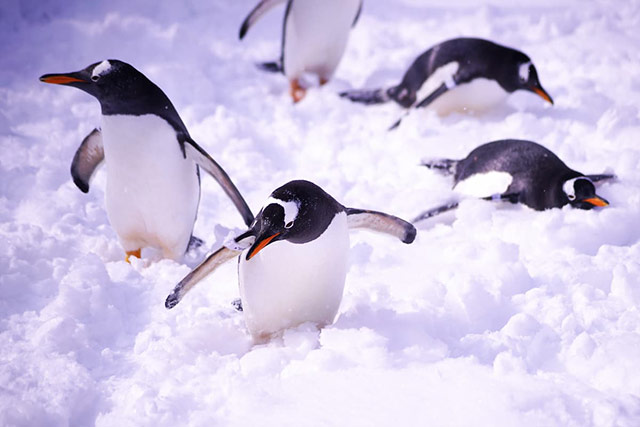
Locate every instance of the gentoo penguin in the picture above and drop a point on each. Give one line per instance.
(459, 75)
(518, 171)
(153, 180)
(294, 258)
(314, 37)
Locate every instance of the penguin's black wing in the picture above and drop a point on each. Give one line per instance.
(204, 160)
(87, 159)
(263, 7)
(207, 266)
(381, 222)
(601, 177)
(436, 211)
(441, 90)
(355, 20)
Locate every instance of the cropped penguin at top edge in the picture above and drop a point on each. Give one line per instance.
(518, 171)
(314, 38)
(294, 257)
(153, 179)
(459, 74)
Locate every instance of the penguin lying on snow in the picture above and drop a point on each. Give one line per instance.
(459, 74)
(314, 37)
(294, 258)
(153, 180)
(518, 172)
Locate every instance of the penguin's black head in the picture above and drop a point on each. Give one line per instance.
(527, 79)
(581, 193)
(297, 212)
(120, 88)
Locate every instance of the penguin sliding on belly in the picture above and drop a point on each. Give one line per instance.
(153, 180)
(294, 258)
(314, 38)
(463, 74)
(518, 171)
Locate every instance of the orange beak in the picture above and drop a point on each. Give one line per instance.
(59, 79)
(260, 246)
(597, 201)
(544, 95)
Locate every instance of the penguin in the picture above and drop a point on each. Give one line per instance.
(293, 258)
(518, 171)
(152, 164)
(461, 74)
(314, 38)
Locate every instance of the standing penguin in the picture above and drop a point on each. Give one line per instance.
(153, 180)
(294, 258)
(314, 37)
(457, 75)
(518, 171)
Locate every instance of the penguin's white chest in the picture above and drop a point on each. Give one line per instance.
(288, 284)
(316, 34)
(152, 192)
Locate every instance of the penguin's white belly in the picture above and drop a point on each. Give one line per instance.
(288, 284)
(152, 192)
(316, 34)
(484, 184)
(476, 96)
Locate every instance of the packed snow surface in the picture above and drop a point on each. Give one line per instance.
(495, 316)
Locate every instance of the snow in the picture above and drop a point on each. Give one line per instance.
(495, 315)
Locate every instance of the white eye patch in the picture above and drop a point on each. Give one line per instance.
(523, 71)
(290, 208)
(101, 68)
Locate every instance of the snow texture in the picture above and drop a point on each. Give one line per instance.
(496, 315)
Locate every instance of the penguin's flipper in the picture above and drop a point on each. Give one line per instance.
(381, 222)
(271, 67)
(263, 7)
(367, 96)
(87, 159)
(435, 211)
(433, 95)
(444, 166)
(601, 177)
(504, 197)
(212, 262)
(355, 20)
(204, 160)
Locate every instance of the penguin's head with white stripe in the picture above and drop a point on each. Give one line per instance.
(118, 86)
(297, 212)
(522, 75)
(581, 193)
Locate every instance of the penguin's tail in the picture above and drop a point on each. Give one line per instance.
(367, 96)
(271, 67)
(444, 166)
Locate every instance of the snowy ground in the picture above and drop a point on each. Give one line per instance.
(494, 316)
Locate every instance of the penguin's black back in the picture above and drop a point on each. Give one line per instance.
(476, 58)
(538, 174)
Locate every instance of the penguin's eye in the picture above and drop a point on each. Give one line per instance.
(289, 224)
(571, 196)
(95, 78)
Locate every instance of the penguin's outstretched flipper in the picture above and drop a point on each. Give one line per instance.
(601, 177)
(441, 90)
(381, 222)
(198, 155)
(271, 67)
(212, 262)
(367, 96)
(444, 166)
(263, 7)
(87, 159)
(435, 211)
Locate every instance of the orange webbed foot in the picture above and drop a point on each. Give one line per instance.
(297, 91)
(135, 253)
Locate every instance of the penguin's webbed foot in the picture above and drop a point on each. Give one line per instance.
(297, 91)
(135, 253)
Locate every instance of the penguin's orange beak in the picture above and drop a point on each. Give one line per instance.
(258, 246)
(62, 79)
(596, 201)
(543, 94)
